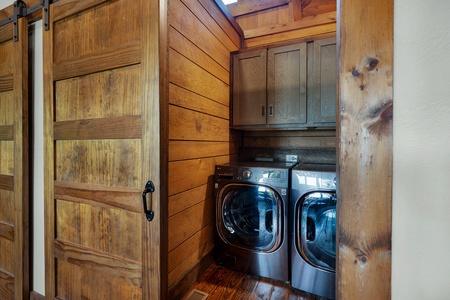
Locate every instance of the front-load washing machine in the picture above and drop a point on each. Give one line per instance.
(252, 200)
(313, 229)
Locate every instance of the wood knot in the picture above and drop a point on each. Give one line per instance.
(382, 118)
(355, 73)
(373, 62)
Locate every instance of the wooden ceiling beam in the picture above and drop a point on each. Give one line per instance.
(306, 22)
(251, 6)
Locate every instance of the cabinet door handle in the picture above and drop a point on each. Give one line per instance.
(271, 110)
(263, 110)
(149, 188)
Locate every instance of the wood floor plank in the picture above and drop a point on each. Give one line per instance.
(224, 284)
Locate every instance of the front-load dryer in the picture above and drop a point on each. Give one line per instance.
(313, 229)
(252, 201)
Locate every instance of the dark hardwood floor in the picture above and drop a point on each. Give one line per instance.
(224, 284)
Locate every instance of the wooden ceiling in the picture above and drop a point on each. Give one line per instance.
(271, 21)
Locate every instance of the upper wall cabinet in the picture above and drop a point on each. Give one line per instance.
(249, 88)
(289, 87)
(322, 83)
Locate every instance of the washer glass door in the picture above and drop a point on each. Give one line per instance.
(316, 229)
(250, 216)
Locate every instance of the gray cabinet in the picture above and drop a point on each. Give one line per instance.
(288, 87)
(322, 83)
(249, 88)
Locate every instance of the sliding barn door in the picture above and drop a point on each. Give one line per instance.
(102, 147)
(14, 272)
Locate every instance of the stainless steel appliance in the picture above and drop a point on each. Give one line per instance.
(252, 201)
(313, 226)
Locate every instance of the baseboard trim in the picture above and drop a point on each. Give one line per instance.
(36, 296)
(180, 288)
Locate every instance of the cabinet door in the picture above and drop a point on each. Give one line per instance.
(249, 88)
(323, 92)
(286, 77)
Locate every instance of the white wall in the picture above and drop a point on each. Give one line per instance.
(37, 227)
(421, 193)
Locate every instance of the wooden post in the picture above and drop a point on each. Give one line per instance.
(365, 103)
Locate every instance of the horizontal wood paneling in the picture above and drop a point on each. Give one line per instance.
(6, 32)
(6, 280)
(194, 243)
(181, 150)
(192, 173)
(290, 139)
(7, 214)
(184, 98)
(111, 93)
(119, 56)
(99, 262)
(186, 223)
(188, 198)
(6, 261)
(279, 21)
(99, 195)
(196, 55)
(6, 83)
(319, 31)
(203, 15)
(228, 25)
(83, 223)
(105, 287)
(200, 41)
(64, 9)
(7, 182)
(7, 231)
(6, 132)
(197, 247)
(128, 127)
(294, 25)
(199, 80)
(185, 124)
(105, 162)
(253, 6)
(183, 20)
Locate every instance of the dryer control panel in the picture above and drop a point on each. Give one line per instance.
(270, 176)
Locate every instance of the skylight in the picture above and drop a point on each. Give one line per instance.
(226, 2)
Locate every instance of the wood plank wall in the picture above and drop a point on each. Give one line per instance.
(269, 22)
(318, 146)
(200, 42)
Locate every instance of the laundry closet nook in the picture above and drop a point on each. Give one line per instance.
(140, 103)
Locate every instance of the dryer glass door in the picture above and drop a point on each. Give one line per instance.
(250, 216)
(316, 229)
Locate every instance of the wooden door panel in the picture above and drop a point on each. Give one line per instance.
(97, 144)
(14, 200)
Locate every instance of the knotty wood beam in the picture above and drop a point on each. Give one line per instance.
(365, 35)
(252, 6)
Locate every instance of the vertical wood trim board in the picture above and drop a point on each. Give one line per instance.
(365, 149)
(21, 164)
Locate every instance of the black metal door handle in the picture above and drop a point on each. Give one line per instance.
(149, 188)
